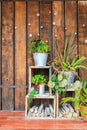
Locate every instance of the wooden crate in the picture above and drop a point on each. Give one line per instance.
(45, 70)
(45, 100)
(67, 113)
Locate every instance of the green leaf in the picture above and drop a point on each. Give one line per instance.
(67, 48)
(31, 95)
(79, 61)
(79, 67)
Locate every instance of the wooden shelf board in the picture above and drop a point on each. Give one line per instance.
(40, 67)
(45, 96)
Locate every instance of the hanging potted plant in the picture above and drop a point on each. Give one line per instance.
(68, 62)
(40, 50)
(38, 82)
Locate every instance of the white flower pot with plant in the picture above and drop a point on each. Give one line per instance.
(39, 81)
(40, 50)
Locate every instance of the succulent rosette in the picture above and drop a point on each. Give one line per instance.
(58, 83)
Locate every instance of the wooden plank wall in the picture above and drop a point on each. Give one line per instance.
(20, 54)
(0, 57)
(71, 22)
(82, 33)
(21, 22)
(33, 25)
(7, 55)
(45, 24)
(58, 25)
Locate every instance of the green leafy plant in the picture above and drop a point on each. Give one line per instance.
(38, 46)
(38, 79)
(67, 60)
(83, 93)
(31, 95)
(75, 100)
(58, 83)
(80, 98)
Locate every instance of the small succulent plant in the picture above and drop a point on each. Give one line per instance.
(58, 83)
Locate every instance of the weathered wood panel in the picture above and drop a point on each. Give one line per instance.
(58, 25)
(20, 54)
(70, 17)
(82, 20)
(70, 21)
(7, 55)
(42, 23)
(0, 55)
(33, 24)
(83, 52)
(82, 33)
(45, 22)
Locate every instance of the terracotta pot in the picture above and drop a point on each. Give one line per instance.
(83, 111)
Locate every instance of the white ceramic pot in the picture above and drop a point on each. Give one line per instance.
(40, 59)
(41, 89)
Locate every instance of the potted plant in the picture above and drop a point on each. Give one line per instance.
(39, 81)
(58, 83)
(67, 61)
(40, 50)
(83, 99)
(32, 93)
(80, 99)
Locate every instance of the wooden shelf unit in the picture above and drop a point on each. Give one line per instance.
(44, 97)
(47, 97)
(68, 90)
(45, 70)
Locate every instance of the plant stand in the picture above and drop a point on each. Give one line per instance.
(35, 110)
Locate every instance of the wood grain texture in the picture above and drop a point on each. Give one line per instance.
(0, 55)
(33, 25)
(20, 54)
(82, 33)
(83, 52)
(70, 20)
(7, 55)
(36, 22)
(82, 22)
(70, 17)
(58, 25)
(17, 121)
(45, 23)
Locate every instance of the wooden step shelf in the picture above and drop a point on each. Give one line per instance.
(41, 99)
(45, 70)
(46, 100)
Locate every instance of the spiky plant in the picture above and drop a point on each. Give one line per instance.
(68, 60)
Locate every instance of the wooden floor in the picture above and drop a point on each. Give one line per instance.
(17, 121)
